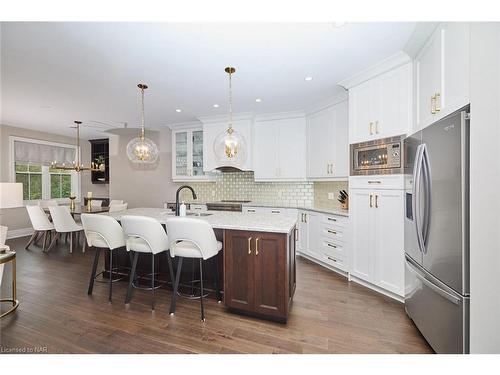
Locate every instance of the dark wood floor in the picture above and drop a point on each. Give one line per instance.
(329, 315)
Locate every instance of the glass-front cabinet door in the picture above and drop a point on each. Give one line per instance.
(187, 163)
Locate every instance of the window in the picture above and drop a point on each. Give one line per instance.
(31, 166)
(60, 183)
(30, 175)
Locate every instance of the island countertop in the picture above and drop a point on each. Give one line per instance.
(220, 219)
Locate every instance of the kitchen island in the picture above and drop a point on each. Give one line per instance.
(258, 259)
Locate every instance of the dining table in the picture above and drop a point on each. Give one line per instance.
(78, 210)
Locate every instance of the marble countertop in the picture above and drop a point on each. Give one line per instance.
(221, 219)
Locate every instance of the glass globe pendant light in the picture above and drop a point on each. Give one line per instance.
(142, 150)
(229, 146)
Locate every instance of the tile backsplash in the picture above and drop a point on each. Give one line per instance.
(242, 186)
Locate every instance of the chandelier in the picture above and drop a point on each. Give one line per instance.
(142, 150)
(229, 146)
(77, 165)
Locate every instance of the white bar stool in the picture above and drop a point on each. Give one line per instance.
(145, 235)
(103, 232)
(193, 238)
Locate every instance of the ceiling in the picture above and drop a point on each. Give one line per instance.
(54, 73)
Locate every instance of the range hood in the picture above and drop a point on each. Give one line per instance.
(229, 169)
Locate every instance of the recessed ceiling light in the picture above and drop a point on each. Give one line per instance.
(216, 106)
(258, 100)
(309, 78)
(178, 110)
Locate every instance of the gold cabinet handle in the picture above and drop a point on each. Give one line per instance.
(332, 219)
(305, 218)
(329, 244)
(376, 127)
(331, 231)
(433, 104)
(249, 248)
(327, 168)
(371, 203)
(376, 200)
(370, 126)
(257, 246)
(437, 102)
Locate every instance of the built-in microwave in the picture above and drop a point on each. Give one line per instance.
(381, 156)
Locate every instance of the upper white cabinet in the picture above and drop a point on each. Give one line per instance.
(327, 143)
(280, 149)
(187, 154)
(212, 127)
(381, 106)
(442, 73)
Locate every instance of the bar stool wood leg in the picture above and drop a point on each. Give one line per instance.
(217, 287)
(134, 257)
(176, 286)
(94, 270)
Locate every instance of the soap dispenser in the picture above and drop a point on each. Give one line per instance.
(182, 209)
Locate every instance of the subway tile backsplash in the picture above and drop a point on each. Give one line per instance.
(242, 186)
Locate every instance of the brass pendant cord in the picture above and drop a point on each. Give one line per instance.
(78, 143)
(142, 87)
(230, 102)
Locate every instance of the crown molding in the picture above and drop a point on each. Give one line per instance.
(187, 124)
(280, 115)
(381, 67)
(419, 37)
(326, 103)
(224, 118)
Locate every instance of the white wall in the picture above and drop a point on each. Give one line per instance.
(141, 186)
(485, 188)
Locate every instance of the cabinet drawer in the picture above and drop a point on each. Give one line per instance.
(334, 220)
(395, 181)
(333, 233)
(252, 210)
(337, 261)
(333, 247)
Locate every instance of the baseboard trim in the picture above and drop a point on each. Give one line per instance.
(377, 289)
(23, 232)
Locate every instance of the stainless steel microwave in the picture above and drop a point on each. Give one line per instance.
(381, 156)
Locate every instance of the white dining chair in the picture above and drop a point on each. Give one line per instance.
(118, 207)
(48, 203)
(115, 201)
(103, 232)
(41, 225)
(64, 223)
(145, 235)
(96, 203)
(193, 238)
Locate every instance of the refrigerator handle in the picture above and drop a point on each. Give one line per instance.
(426, 168)
(417, 172)
(443, 293)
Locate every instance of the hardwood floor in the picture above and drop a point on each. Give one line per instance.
(328, 315)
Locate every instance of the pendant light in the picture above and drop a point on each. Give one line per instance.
(77, 165)
(229, 146)
(142, 150)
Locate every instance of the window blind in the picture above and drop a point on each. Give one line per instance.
(30, 152)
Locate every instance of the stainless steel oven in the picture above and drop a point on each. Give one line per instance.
(381, 156)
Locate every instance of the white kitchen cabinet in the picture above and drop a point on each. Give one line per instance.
(279, 149)
(377, 243)
(308, 224)
(187, 154)
(442, 73)
(382, 106)
(212, 128)
(327, 143)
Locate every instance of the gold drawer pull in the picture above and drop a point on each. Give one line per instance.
(249, 248)
(257, 246)
(275, 212)
(335, 260)
(249, 210)
(331, 231)
(329, 244)
(374, 182)
(332, 219)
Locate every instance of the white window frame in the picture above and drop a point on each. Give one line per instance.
(75, 176)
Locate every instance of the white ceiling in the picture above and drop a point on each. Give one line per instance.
(54, 73)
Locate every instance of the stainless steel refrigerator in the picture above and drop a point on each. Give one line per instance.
(437, 232)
